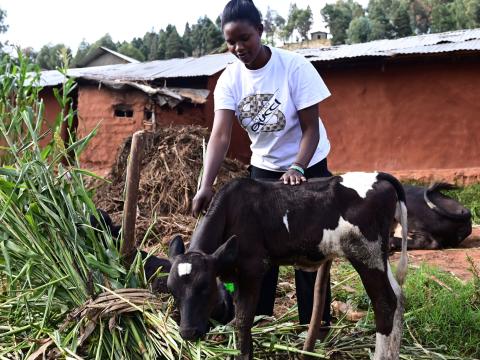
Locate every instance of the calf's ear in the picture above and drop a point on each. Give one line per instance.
(176, 247)
(226, 255)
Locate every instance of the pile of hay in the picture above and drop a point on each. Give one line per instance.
(169, 175)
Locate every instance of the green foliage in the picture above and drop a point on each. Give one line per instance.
(300, 20)
(390, 19)
(269, 25)
(129, 50)
(106, 41)
(174, 47)
(82, 51)
(442, 315)
(303, 22)
(53, 263)
(187, 40)
(205, 37)
(338, 17)
(442, 17)
(3, 26)
(359, 30)
(49, 57)
(401, 21)
(378, 13)
(443, 312)
(151, 46)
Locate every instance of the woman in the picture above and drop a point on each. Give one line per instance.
(275, 95)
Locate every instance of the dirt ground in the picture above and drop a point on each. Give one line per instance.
(451, 260)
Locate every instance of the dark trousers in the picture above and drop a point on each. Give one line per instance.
(304, 280)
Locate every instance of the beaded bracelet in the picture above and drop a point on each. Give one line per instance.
(297, 168)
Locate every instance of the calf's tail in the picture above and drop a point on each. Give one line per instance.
(402, 211)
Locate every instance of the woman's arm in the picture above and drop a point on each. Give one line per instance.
(216, 151)
(308, 144)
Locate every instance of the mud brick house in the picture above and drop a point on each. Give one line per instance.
(409, 106)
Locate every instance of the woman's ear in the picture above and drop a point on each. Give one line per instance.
(260, 29)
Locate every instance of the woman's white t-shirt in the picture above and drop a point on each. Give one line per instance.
(266, 102)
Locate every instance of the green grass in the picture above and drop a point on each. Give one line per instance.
(441, 312)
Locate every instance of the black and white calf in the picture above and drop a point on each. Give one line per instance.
(251, 224)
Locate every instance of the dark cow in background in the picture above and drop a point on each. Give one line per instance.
(156, 267)
(251, 224)
(435, 221)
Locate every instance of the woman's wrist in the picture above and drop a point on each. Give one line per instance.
(298, 163)
(297, 168)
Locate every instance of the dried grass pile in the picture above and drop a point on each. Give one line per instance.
(170, 170)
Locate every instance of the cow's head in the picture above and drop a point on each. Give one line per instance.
(192, 282)
(455, 220)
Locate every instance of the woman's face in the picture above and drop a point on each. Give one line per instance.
(243, 41)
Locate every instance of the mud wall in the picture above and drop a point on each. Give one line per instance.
(411, 116)
(52, 109)
(96, 107)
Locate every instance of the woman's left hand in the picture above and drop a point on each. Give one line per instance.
(293, 177)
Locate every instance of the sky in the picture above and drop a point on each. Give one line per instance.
(34, 23)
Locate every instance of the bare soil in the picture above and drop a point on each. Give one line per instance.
(454, 261)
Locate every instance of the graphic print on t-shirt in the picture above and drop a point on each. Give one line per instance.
(261, 113)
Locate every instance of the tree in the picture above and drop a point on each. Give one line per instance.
(106, 41)
(473, 11)
(401, 21)
(420, 12)
(187, 40)
(30, 55)
(82, 51)
(174, 45)
(303, 22)
(129, 50)
(442, 17)
(287, 30)
(49, 57)
(206, 37)
(359, 30)
(378, 14)
(338, 17)
(269, 26)
(3, 26)
(151, 45)
(162, 44)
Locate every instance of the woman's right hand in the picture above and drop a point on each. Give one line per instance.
(201, 200)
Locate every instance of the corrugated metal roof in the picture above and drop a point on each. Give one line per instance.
(121, 56)
(420, 44)
(461, 40)
(172, 68)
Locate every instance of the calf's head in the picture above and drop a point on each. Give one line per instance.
(192, 282)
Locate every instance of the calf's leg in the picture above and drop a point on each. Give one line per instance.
(388, 305)
(246, 299)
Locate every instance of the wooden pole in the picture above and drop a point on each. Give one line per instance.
(131, 197)
(319, 298)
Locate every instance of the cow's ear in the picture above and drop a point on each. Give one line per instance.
(226, 255)
(176, 247)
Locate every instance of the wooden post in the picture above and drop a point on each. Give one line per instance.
(319, 296)
(131, 197)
